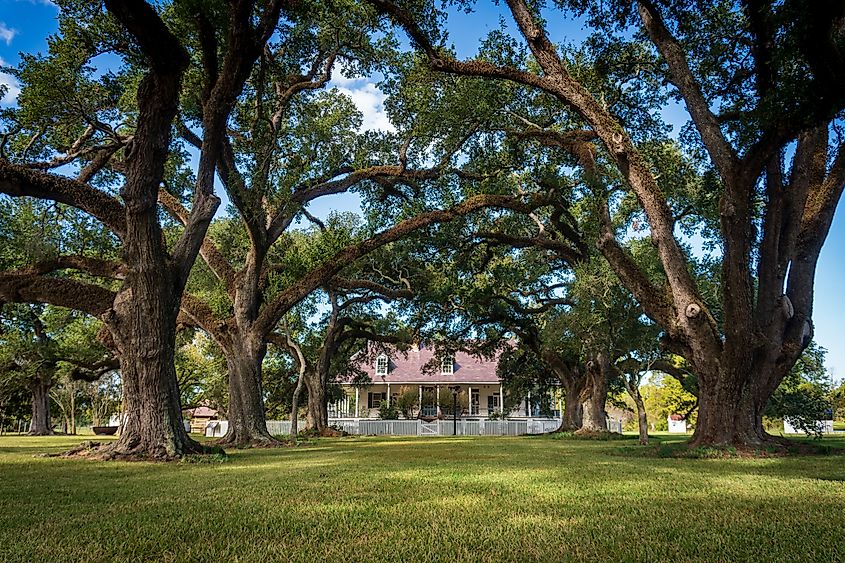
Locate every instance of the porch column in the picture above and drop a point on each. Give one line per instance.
(420, 405)
(528, 405)
(502, 399)
(437, 398)
(357, 404)
(388, 395)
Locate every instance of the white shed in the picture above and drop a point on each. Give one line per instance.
(677, 424)
(824, 426)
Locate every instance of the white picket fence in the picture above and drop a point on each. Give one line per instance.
(377, 427)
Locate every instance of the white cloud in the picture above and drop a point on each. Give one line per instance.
(12, 88)
(367, 98)
(370, 102)
(7, 34)
(339, 79)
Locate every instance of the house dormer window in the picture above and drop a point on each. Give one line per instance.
(381, 365)
(447, 365)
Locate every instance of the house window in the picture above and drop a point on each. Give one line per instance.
(447, 366)
(381, 365)
(374, 400)
(493, 403)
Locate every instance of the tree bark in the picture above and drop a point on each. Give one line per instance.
(571, 377)
(41, 420)
(595, 394)
(595, 415)
(247, 420)
(73, 414)
(730, 412)
(642, 416)
(294, 405)
(145, 332)
(573, 411)
(318, 407)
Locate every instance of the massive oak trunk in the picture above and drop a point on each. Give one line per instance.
(41, 420)
(595, 394)
(573, 411)
(244, 347)
(731, 409)
(318, 406)
(595, 415)
(247, 420)
(143, 319)
(573, 381)
(145, 332)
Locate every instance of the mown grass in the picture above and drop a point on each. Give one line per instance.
(419, 499)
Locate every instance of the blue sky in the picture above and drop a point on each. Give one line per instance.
(25, 25)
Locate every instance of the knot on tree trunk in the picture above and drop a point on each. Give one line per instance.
(692, 310)
(618, 146)
(786, 305)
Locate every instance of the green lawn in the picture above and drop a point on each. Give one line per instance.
(409, 499)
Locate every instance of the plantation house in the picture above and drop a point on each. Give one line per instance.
(421, 371)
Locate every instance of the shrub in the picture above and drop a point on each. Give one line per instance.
(446, 399)
(407, 401)
(388, 411)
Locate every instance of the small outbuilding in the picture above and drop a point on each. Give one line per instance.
(200, 417)
(677, 424)
(792, 426)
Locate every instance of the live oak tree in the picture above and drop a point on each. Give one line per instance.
(43, 348)
(496, 278)
(353, 327)
(28, 354)
(46, 347)
(293, 143)
(69, 116)
(762, 83)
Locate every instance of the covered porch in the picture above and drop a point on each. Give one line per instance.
(474, 400)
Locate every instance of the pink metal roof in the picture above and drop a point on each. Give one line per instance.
(409, 369)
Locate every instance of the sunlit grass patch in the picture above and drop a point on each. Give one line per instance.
(431, 499)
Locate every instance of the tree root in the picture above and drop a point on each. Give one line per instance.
(600, 435)
(763, 447)
(246, 442)
(327, 432)
(745, 443)
(119, 451)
